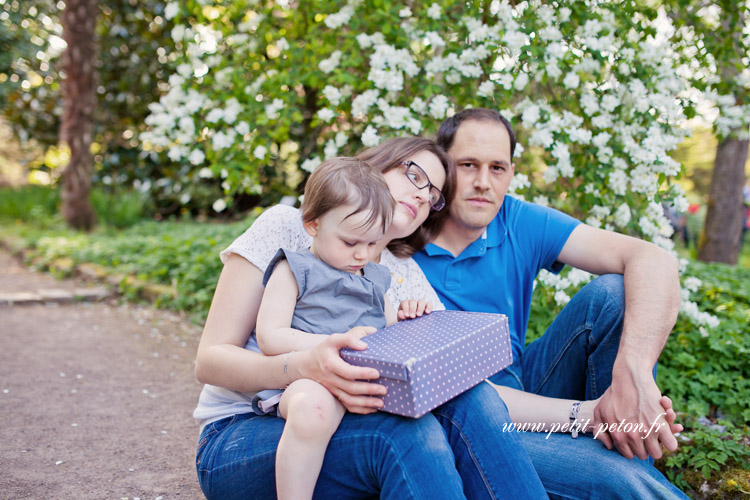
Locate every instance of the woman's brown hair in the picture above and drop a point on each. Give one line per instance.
(389, 155)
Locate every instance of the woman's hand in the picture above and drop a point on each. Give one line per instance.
(324, 365)
(603, 435)
(410, 309)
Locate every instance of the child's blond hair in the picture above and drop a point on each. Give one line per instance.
(348, 181)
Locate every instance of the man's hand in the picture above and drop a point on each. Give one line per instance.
(636, 419)
(410, 309)
(324, 365)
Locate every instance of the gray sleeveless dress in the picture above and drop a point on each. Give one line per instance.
(329, 301)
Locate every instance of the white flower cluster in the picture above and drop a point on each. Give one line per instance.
(388, 66)
(690, 309)
(560, 284)
(343, 16)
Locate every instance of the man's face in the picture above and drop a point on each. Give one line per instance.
(481, 151)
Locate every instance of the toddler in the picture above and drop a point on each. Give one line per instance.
(331, 288)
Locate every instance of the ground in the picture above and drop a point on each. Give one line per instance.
(95, 397)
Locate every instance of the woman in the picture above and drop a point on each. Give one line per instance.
(446, 454)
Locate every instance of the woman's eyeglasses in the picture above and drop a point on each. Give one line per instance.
(419, 178)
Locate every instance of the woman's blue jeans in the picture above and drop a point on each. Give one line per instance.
(452, 453)
(573, 360)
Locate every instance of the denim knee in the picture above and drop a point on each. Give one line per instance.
(606, 291)
(482, 398)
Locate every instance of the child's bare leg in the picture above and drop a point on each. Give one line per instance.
(312, 416)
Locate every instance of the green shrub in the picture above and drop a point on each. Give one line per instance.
(41, 205)
(30, 203)
(119, 209)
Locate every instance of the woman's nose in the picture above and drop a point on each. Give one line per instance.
(422, 194)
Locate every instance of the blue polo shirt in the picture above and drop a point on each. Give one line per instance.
(496, 272)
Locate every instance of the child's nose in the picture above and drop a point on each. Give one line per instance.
(361, 253)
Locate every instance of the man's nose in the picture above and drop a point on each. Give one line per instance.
(482, 178)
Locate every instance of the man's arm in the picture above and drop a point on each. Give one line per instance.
(652, 301)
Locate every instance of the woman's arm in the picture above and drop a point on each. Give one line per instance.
(223, 361)
(274, 331)
(545, 414)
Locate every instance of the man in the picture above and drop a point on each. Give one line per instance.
(595, 363)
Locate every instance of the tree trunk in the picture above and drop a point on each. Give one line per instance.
(720, 239)
(79, 100)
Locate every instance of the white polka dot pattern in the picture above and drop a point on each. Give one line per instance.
(427, 361)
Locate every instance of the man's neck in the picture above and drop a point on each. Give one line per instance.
(456, 237)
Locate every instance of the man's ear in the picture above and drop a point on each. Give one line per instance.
(513, 167)
(312, 227)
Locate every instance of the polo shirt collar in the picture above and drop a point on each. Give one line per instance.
(493, 236)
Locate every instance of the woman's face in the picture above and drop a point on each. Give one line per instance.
(412, 203)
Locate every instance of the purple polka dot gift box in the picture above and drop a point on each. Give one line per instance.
(427, 361)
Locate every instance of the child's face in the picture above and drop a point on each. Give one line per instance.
(341, 241)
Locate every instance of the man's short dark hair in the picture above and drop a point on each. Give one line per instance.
(449, 127)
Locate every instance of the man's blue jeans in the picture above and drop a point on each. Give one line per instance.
(452, 453)
(573, 360)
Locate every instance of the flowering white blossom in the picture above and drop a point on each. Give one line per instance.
(332, 94)
(176, 153)
(340, 139)
(219, 205)
(282, 44)
(331, 63)
(171, 10)
(561, 298)
(618, 182)
(311, 164)
(438, 106)
(541, 137)
(178, 32)
(571, 80)
(610, 102)
(331, 149)
(362, 103)
(370, 137)
(214, 115)
(242, 128)
(434, 11)
(486, 89)
(434, 39)
(521, 80)
(222, 140)
(519, 182)
(260, 152)
(541, 200)
(530, 116)
(325, 114)
(405, 12)
(231, 110)
(272, 109)
(340, 18)
(364, 40)
(205, 173)
(196, 157)
(418, 106)
(550, 174)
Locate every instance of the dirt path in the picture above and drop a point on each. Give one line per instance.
(95, 398)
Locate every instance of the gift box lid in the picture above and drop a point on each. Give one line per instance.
(408, 343)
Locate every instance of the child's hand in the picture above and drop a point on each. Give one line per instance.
(410, 309)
